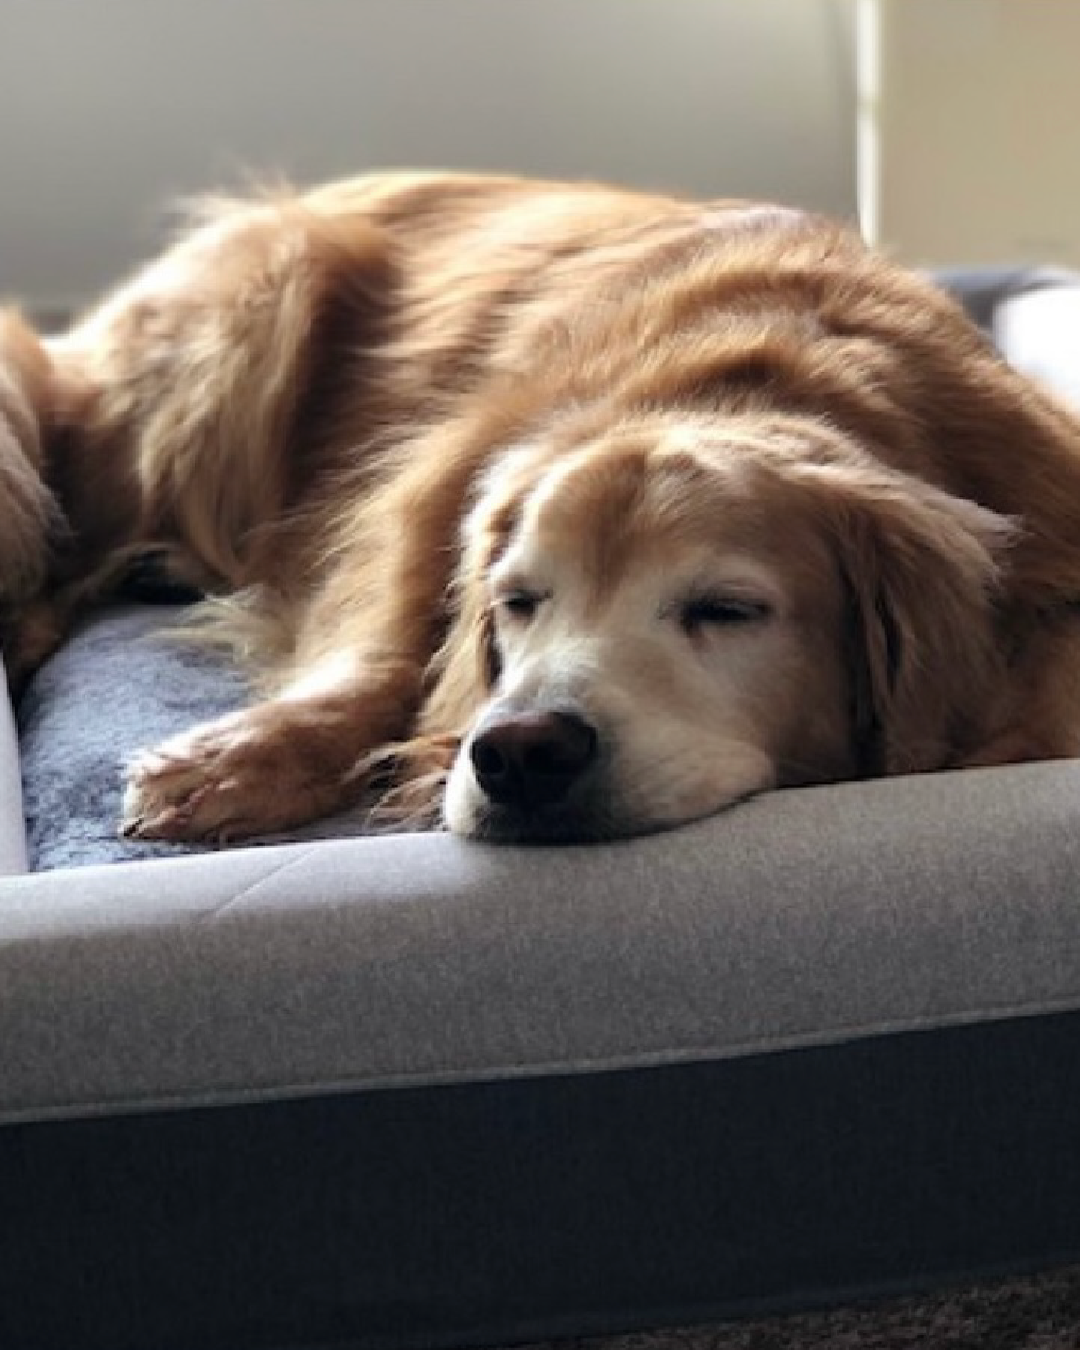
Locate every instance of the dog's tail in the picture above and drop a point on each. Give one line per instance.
(30, 520)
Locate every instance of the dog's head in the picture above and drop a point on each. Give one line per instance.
(672, 617)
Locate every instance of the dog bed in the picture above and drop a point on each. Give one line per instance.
(414, 1092)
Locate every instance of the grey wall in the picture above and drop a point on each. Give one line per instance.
(109, 108)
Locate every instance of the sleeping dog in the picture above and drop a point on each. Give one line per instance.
(549, 511)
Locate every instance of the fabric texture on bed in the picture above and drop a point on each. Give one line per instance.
(126, 680)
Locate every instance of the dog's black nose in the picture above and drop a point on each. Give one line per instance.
(532, 758)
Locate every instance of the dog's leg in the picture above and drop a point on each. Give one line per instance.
(33, 399)
(355, 680)
(27, 509)
(280, 763)
(207, 374)
(308, 750)
(168, 417)
(203, 369)
(353, 685)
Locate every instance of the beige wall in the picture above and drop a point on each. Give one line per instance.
(978, 122)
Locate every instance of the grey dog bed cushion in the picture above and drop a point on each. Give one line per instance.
(126, 680)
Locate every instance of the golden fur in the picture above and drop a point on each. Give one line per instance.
(649, 504)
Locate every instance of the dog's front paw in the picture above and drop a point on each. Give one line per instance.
(246, 774)
(199, 785)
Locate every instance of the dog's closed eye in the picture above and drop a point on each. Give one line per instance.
(706, 611)
(519, 603)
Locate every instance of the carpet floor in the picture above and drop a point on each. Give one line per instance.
(1040, 1312)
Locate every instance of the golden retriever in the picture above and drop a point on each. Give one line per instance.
(558, 511)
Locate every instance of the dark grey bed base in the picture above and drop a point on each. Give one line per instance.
(491, 1212)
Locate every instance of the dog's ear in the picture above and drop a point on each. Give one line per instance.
(465, 669)
(463, 673)
(922, 570)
